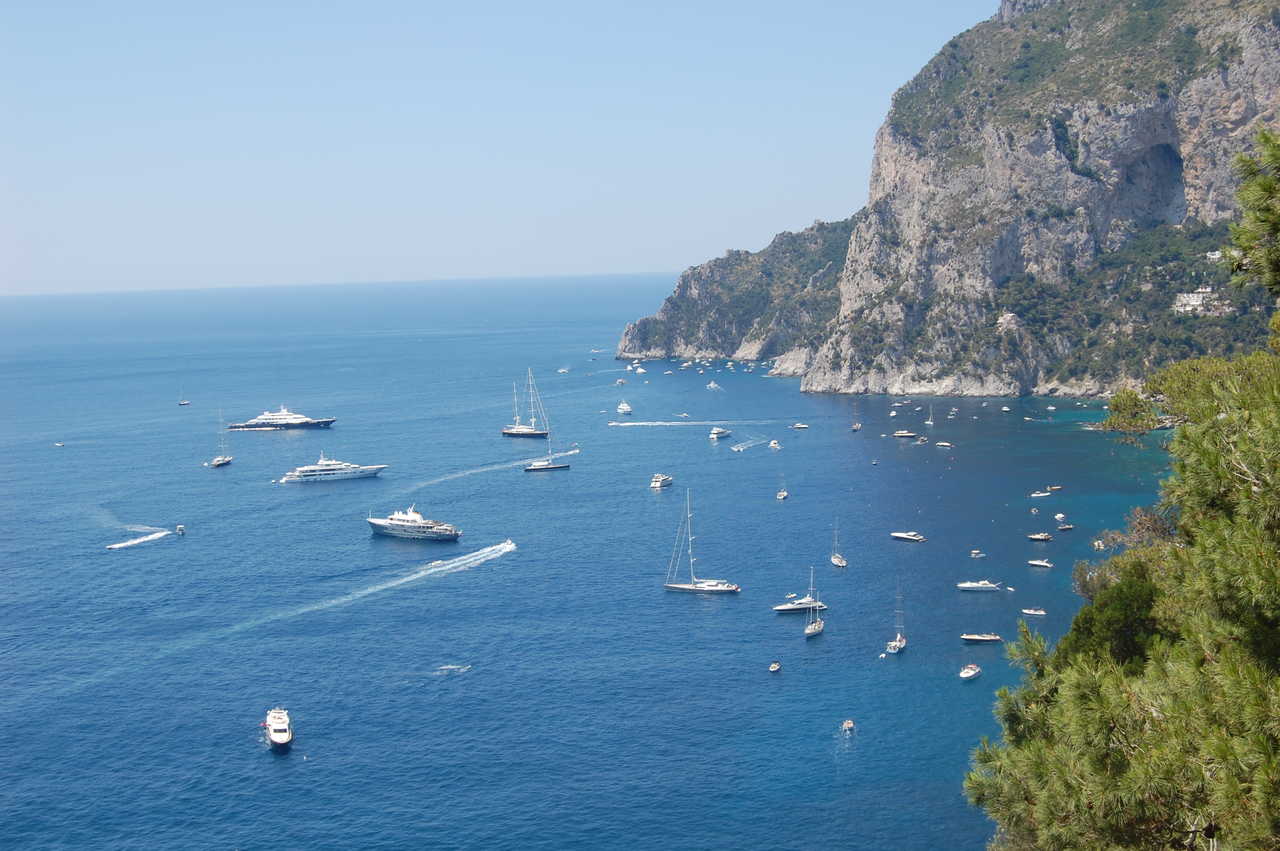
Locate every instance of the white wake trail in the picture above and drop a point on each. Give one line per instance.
(489, 468)
(133, 542)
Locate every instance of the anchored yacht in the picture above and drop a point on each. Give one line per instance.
(718, 432)
(1040, 536)
(411, 524)
(281, 419)
(684, 551)
(660, 480)
(981, 637)
(330, 469)
(969, 671)
(623, 407)
(914, 537)
(535, 414)
(279, 729)
(979, 585)
(802, 604)
(1040, 562)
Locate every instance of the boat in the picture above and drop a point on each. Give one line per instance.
(847, 725)
(1065, 527)
(921, 440)
(59, 444)
(943, 444)
(279, 729)
(814, 624)
(981, 637)
(684, 550)
(773, 444)
(330, 469)
(930, 420)
(1040, 536)
(856, 427)
(223, 458)
(781, 494)
(711, 385)
(836, 558)
(899, 641)
(533, 402)
(1060, 517)
(624, 408)
(660, 480)
(978, 585)
(1040, 562)
(683, 415)
(969, 671)
(620, 382)
(641, 370)
(775, 666)
(799, 425)
(893, 413)
(801, 604)
(1041, 493)
(1051, 407)
(411, 524)
(718, 432)
(564, 370)
(902, 432)
(1034, 612)
(1005, 408)
(915, 537)
(281, 419)
(977, 554)
(1055, 487)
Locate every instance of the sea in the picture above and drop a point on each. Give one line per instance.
(545, 693)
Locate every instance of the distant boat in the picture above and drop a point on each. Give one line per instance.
(624, 408)
(902, 432)
(717, 433)
(711, 385)
(899, 641)
(1041, 493)
(914, 537)
(1065, 527)
(330, 469)
(773, 444)
(775, 666)
(930, 420)
(683, 550)
(1040, 562)
(981, 637)
(782, 494)
(279, 729)
(59, 443)
(893, 413)
(1004, 408)
(979, 585)
(223, 458)
(1034, 612)
(533, 402)
(660, 480)
(836, 557)
(856, 427)
(1040, 536)
(683, 414)
(814, 624)
(943, 444)
(181, 400)
(1055, 487)
(411, 524)
(799, 425)
(801, 604)
(969, 671)
(977, 554)
(281, 419)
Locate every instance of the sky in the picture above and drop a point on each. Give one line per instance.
(187, 145)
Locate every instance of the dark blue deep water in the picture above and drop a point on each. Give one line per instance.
(588, 708)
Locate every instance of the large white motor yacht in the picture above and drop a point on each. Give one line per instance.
(718, 432)
(660, 480)
(283, 418)
(329, 469)
(980, 585)
(623, 407)
(279, 729)
(914, 537)
(411, 524)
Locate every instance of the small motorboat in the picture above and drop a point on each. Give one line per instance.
(1040, 493)
(773, 444)
(799, 425)
(279, 729)
(1065, 527)
(782, 494)
(775, 666)
(977, 554)
(847, 726)
(944, 444)
(969, 671)
(1055, 487)
(179, 529)
(59, 443)
(1034, 612)
(856, 427)
(1040, 562)
(1039, 536)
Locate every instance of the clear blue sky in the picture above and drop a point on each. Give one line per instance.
(176, 145)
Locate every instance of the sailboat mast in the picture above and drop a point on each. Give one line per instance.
(515, 405)
(688, 524)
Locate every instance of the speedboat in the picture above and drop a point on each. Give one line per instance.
(856, 427)
(221, 461)
(943, 444)
(846, 726)
(411, 524)
(902, 432)
(773, 444)
(1040, 493)
(1055, 487)
(683, 415)
(281, 419)
(1005, 408)
(979, 585)
(1034, 612)
(1060, 517)
(921, 440)
(914, 537)
(775, 666)
(660, 480)
(1065, 527)
(623, 407)
(279, 729)
(977, 554)
(981, 637)
(970, 671)
(718, 432)
(799, 425)
(1040, 536)
(1040, 562)
(782, 494)
(330, 469)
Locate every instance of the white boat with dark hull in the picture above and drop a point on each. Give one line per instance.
(330, 470)
(979, 585)
(281, 419)
(223, 458)
(718, 433)
(279, 729)
(914, 537)
(802, 604)
(684, 551)
(527, 427)
(411, 524)
(981, 638)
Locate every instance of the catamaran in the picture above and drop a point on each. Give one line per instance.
(684, 549)
(519, 427)
(836, 558)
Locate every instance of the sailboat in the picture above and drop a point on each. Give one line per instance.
(223, 458)
(182, 402)
(519, 428)
(930, 420)
(684, 549)
(899, 641)
(814, 624)
(836, 558)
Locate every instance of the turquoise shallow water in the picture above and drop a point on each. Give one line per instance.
(597, 711)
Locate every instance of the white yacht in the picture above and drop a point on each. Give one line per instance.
(1040, 493)
(782, 493)
(279, 729)
(969, 671)
(683, 550)
(1040, 536)
(1037, 612)
(1060, 517)
(902, 432)
(981, 637)
(1065, 527)
(281, 419)
(526, 427)
(914, 537)
(1040, 562)
(799, 425)
(802, 604)
(980, 585)
(837, 558)
(329, 469)
(411, 524)
(1004, 408)
(977, 554)
(623, 407)
(717, 432)
(944, 444)
(773, 444)
(814, 624)
(660, 480)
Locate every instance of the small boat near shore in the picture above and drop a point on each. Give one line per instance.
(969, 671)
(1040, 562)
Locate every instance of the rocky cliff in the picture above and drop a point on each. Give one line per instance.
(1012, 181)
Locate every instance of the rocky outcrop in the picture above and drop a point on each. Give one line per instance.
(1029, 150)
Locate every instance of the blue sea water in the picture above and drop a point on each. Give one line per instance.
(550, 697)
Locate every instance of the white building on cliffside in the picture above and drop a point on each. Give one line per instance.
(1205, 301)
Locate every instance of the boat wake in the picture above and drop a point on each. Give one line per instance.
(748, 444)
(693, 423)
(145, 539)
(489, 468)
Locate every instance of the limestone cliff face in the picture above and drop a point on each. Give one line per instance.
(1031, 148)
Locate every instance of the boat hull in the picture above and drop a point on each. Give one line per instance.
(545, 468)
(511, 432)
(982, 639)
(384, 527)
(322, 423)
(699, 589)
